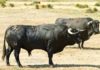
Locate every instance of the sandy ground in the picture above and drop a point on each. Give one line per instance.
(71, 58)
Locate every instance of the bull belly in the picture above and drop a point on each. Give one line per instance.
(34, 46)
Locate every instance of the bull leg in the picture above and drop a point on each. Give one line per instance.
(16, 53)
(79, 45)
(8, 52)
(50, 59)
(50, 53)
(82, 44)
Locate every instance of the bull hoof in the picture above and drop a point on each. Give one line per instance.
(20, 66)
(8, 64)
(52, 66)
(80, 48)
(83, 48)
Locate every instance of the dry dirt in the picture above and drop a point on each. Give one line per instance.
(71, 58)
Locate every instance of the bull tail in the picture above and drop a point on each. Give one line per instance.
(4, 47)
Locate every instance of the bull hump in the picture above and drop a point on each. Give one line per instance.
(14, 27)
(48, 28)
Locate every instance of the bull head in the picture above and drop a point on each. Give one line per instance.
(95, 26)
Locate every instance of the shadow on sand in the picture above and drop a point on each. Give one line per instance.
(85, 48)
(64, 65)
(68, 65)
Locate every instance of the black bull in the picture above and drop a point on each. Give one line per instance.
(50, 38)
(87, 25)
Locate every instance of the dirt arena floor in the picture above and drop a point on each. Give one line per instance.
(71, 58)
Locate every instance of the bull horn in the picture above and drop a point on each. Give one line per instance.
(80, 30)
(70, 31)
(89, 22)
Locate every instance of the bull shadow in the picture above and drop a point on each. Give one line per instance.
(64, 65)
(85, 48)
(90, 48)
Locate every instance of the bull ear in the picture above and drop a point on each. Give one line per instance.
(97, 21)
(90, 22)
(70, 31)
